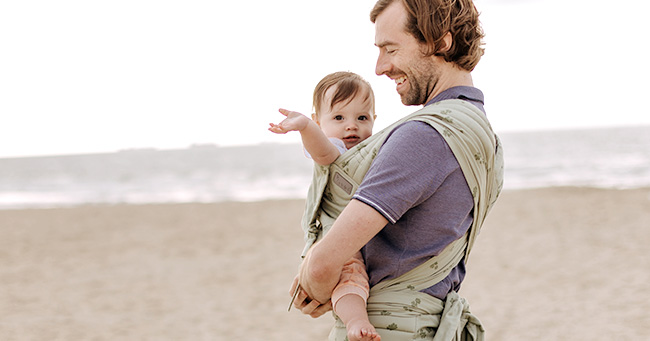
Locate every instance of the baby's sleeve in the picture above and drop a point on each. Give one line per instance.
(353, 281)
(338, 143)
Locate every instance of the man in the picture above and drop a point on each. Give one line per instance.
(425, 193)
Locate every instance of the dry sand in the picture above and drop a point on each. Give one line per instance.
(550, 264)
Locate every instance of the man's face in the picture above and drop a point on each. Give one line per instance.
(401, 57)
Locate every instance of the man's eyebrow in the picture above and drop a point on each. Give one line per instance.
(385, 43)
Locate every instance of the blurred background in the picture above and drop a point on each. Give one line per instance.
(175, 97)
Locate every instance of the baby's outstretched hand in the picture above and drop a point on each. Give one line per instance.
(294, 121)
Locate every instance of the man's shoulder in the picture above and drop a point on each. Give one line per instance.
(413, 131)
(416, 138)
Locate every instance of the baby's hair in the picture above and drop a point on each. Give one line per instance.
(348, 85)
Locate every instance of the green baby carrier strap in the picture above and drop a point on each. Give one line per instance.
(469, 135)
(400, 311)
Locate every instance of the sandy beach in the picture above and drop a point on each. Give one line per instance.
(550, 264)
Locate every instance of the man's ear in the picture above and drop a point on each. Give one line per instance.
(314, 118)
(447, 40)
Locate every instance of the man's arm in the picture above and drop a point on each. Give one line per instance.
(321, 269)
(321, 149)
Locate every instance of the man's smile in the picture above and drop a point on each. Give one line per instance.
(400, 82)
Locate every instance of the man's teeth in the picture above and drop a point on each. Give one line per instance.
(400, 80)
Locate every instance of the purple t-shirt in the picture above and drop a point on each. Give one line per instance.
(416, 183)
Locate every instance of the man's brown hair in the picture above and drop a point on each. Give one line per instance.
(348, 84)
(430, 20)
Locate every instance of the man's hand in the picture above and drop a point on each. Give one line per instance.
(307, 305)
(317, 278)
(320, 271)
(294, 121)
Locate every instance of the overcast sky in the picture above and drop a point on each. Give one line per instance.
(100, 76)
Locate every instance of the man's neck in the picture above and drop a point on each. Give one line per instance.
(452, 77)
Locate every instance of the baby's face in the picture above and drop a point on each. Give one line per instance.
(351, 121)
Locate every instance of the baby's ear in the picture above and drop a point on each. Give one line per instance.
(314, 118)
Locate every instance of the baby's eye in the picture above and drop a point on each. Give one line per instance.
(363, 118)
(338, 117)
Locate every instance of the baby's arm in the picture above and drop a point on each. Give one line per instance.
(314, 140)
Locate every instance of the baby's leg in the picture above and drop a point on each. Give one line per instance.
(351, 309)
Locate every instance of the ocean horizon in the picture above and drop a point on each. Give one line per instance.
(603, 158)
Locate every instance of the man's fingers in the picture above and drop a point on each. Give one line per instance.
(294, 284)
(322, 309)
(299, 302)
(310, 307)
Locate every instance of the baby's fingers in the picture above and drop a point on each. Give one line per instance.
(275, 128)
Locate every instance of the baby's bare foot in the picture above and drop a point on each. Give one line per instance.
(370, 335)
(363, 332)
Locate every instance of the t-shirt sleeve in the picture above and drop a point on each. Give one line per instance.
(410, 166)
(338, 143)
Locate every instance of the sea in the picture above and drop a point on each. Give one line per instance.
(603, 158)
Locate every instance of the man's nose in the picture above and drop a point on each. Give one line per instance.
(382, 66)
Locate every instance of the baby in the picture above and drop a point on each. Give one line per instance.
(344, 106)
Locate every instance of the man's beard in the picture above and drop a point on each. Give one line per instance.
(422, 80)
(416, 95)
